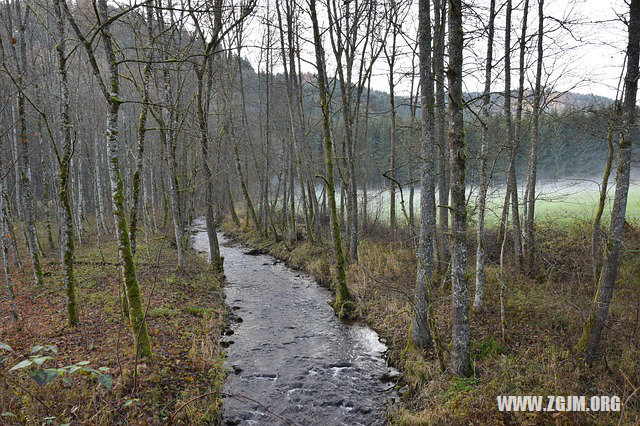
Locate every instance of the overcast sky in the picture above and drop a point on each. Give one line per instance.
(587, 59)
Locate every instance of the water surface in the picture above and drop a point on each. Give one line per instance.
(290, 354)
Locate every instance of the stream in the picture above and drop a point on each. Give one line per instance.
(290, 359)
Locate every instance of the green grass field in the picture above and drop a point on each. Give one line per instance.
(556, 203)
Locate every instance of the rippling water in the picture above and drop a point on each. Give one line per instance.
(292, 360)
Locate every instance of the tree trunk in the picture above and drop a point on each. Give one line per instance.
(64, 165)
(529, 240)
(142, 131)
(4, 243)
(511, 194)
(596, 237)
(343, 304)
(484, 148)
(26, 186)
(592, 332)
(459, 281)
(422, 320)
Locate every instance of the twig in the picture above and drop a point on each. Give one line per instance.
(7, 378)
(626, 401)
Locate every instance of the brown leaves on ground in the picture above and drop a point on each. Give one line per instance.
(185, 317)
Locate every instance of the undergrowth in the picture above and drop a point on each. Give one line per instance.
(544, 317)
(183, 379)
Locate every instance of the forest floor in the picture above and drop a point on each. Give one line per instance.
(186, 314)
(544, 318)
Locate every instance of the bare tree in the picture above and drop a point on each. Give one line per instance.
(460, 348)
(482, 195)
(592, 331)
(343, 304)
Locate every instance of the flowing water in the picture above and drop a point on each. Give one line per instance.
(290, 360)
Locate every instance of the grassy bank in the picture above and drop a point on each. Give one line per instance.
(103, 382)
(544, 317)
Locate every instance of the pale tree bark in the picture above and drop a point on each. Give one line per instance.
(101, 222)
(46, 199)
(26, 185)
(511, 195)
(460, 348)
(593, 328)
(292, 105)
(202, 69)
(481, 277)
(111, 94)
(167, 137)
(64, 164)
(343, 304)
(512, 188)
(391, 61)
(245, 126)
(76, 184)
(142, 130)
(440, 133)
(4, 245)
(529, 232)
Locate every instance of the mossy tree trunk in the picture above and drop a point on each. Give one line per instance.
(64, 165)
(111, 93)
(594, 326)
(596, 237)
(343, 303)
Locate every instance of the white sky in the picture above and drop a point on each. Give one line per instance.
(589, 60)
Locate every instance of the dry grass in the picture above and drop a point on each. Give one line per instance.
(544, 315)
(187, 360)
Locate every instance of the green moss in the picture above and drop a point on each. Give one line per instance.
(201, 312)
(162, 311)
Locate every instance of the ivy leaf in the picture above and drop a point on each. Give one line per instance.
(44, 376)
(6, 347)
(105, 380)
(41, 359)
(22, 364)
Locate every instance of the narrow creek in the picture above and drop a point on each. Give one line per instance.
(290, 353)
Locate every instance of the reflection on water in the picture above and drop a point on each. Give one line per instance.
(291, 356)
